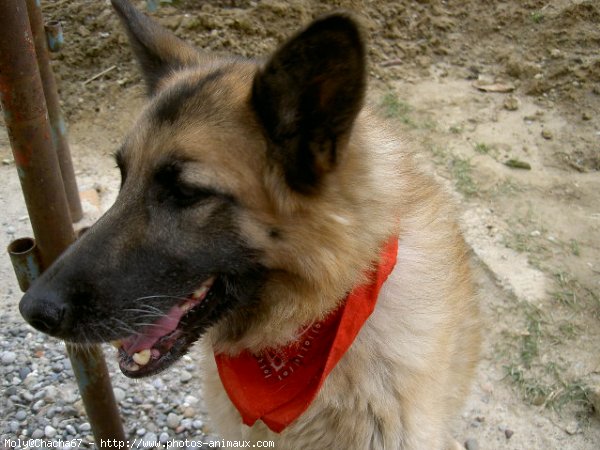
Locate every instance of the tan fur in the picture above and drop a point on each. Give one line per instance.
(403, 380)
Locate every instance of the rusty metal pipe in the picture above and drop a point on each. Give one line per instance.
(26, 261)
(57, 122)
(54, 35)
(25, 116)
(23, 103)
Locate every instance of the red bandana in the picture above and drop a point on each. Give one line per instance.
(278, 385)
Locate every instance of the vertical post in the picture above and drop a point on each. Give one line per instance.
(23, 103)
(57, 122)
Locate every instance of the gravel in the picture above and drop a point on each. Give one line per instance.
(39, 397)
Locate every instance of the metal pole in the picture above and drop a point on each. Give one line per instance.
(22, 98)
(57, 122)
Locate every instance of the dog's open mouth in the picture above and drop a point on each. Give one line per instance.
(159, 344)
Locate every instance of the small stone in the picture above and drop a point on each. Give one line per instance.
(83, 31)
(185, 376)
(14, 427)
(586, 116)
(173, 420)
(150, 437)
(37, 434)
(197, 424)
(572, 428)
(189, 412)
(471, 444)
(26, 395)
(11, 390)
(511, 103)
(71, 429)
(21, 415)
(85, 426)
(119, 394)
(7, 162)
(23, 372)
(8, 357)
(49, 431)
(38, 405)
(190, 400)
(164, 437)
(547, 134)
(508, 433)
(140, 431)
(50, 394)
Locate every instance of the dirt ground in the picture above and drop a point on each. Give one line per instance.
(502, 99)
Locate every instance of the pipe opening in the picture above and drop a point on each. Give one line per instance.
(21, 246)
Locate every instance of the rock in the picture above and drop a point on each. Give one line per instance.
(511, 103)
(49, 431)
(189, 412)
(140, 431)
(572, 428)
(23, 372)
(13, 426)
(190, 400)
(547, 134)
(8, 357)
(508, 433)
(85, 426)
(21, 415)
(186, 424)
(164, 437)
(38, 405)
(150, 437)
(586, 115)
(471, 444)
(119, 394)
(83, 31)
(185, 376)
(173, 420)
(50, 394)
(71, 429)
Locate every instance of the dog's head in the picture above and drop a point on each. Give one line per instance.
(216, 175)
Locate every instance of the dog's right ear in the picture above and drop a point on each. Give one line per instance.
(307, 97)
(158, 51)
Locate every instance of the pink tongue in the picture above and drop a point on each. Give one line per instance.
(150, 334)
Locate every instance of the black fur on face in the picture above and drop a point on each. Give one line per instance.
(149, 252)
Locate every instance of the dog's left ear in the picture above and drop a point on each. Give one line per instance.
(158, 51)
(307, 97)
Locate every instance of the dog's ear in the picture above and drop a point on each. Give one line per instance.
(307, 97)
(157, 50)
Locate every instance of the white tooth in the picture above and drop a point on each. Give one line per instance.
(116, 344)
(186, 306)
(208, 283)
(132, 367)
(200, 291)
(142, 357)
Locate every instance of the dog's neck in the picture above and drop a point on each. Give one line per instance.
(278, 384)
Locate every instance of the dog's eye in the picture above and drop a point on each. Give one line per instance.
(186, 195)
(173, 189)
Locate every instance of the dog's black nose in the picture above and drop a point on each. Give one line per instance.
(45, 313)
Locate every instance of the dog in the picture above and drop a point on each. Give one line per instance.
(265, 209)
